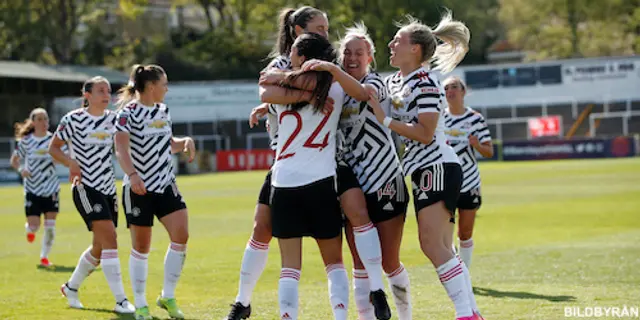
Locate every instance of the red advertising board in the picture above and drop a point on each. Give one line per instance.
(233, 160)
(544, 126)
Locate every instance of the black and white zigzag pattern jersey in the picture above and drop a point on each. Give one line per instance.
(150, 136)
(281, 63)
(34, 151)
(368, 147)
(458, 130)
(90, 141)
(420, 92)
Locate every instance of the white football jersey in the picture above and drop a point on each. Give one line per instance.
(306, 143)
(420, 92)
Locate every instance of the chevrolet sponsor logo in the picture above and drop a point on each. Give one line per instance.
(397, 103)
(455, 133)
(348, 112)
(158, 124)
(100, 135)
(41, 152)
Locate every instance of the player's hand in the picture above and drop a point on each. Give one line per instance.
(25, 173)
(75, 174)
(474, 142)
(271, 77)
(189, 148)
(318, 65)
(137, 186)
(257, 113)
(371, 91)
(374, 103)
(328, 105)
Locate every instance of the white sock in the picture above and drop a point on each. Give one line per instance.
(453, 280)
(368, 246)
(338, 290)
(28, 229)
(111, 269)
(288, 293)
(138, 268)
(49, 237)
(472, 296)
(253, 263)
(361, 293)
(400, 288)
(466, 250)
(173, 263)
(86, 264)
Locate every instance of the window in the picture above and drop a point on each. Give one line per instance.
(482, 79)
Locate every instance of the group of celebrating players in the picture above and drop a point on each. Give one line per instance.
(334, 129)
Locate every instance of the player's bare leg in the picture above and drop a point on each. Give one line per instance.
(254, 261)
(367, 242)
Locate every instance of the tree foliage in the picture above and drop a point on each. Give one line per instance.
(234, 36)
(552, 29)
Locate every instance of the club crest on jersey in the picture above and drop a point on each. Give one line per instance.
(423, 75)
(466, 125)
(406, 92)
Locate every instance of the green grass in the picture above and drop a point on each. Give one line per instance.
(550, 235)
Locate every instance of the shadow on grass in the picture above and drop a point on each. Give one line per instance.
(520, 295)
(57, 269)
(117, 316)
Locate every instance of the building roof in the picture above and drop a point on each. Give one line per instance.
(69, 73)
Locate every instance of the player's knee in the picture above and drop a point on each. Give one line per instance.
(111, 240)
(181, 235)
(262, 231)
(333, 259)
(429, 246)
(34, 227)
(465, 233)
(142, 247)
(358, 216)
(390, 264)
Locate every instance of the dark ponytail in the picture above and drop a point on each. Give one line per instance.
(138, 79)
(314, 46)
(87, 87)
(287, 22)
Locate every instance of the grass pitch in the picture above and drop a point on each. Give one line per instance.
(550, 235)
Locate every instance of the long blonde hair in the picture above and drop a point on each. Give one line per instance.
(358, 31)
(26, 127)
(454, 36)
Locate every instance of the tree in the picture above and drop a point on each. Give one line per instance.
(20, 32)
(553, 29)
(31, 26)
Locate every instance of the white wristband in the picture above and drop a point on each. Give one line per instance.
(20, 169)
(387, 121)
